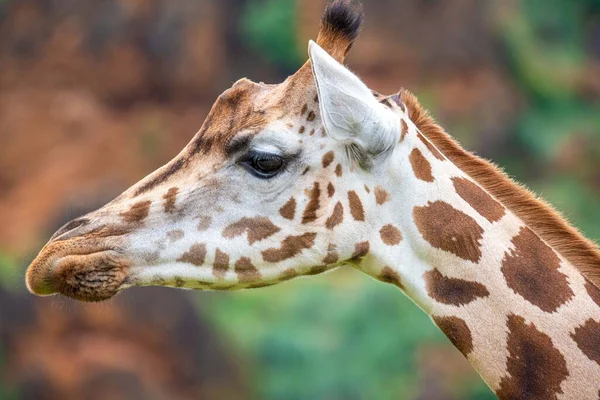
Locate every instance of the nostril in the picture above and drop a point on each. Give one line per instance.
(70, 226)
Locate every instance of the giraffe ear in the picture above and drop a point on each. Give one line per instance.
(350, 112)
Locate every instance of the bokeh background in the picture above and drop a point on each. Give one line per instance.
(95, 94)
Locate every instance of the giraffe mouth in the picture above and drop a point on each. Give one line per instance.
(74, 269)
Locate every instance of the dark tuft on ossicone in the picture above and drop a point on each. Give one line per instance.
(343, 18)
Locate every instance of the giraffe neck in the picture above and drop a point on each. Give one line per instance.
(525, 318)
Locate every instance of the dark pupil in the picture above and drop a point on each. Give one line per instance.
(265, 163)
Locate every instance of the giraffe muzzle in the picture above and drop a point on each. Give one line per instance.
(83, 268)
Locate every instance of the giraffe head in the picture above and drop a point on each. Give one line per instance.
(265, 191)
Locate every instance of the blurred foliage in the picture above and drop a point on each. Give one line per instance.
(342, 336)
(269, 28)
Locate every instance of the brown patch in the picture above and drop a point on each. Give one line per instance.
(245, 270)
(179, 282)
(593, 291)
(311, 116)
(457, 330)
(137, 212)
(381, 195)
(360, 250)
(258, 228)
(317, 269)
(390, 235)
(535, 367)
(420, 166)
(332, 255)
(388, 275)
(367, 189)
(587, 337)
(304, 109)
(330, 189)
(452, 290)
(195, 255)
(430, 147)
(306, 170)
(337, 216)
(204, 223)
(288, 274)
(535, 213)
(338, 170)
(175, 235)
(327, 159)
(531, 270)
(301, 130)
(310, 212)
(404, 130)
(356, 207)
(449, 229)
(170, 198)
(312, 132)
(288, 211)
(221, 263)
(290, 247)
(477, 198)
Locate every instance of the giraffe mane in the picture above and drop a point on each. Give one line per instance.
(541, 217)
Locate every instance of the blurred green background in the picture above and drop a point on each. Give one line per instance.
(95, 94)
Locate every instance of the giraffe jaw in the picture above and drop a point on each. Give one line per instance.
(69, 268)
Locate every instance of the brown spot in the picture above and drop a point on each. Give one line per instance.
(290, 247)
(477, 198)
(337, 216)
(137, 212)
(204, 222)
(306, 170)
(452, 290)
(587, 337)
(310, 212)
(316, 98)
(290, 125)
(317, 269)
(404, 130)
(327, 159)
(430, 147)
(221, 263)
(360, 250)
(367, 189)
(332, 255)
(531, 270)
(310, 116)
(449, 229)
(457, 331)
(593, 291)
(330, 190)
(338, 170)
(381, 195)
(288, 211)
(356, 207)
(245, 270)
(420, 166)
(258, 228)
(304, 109)
(388, 275)
(301, 130)
(195, 255)
(390, 235)
(179, 282)
(175, 235)
(535, 367)
(312, 132)
(170, 198)
(288, 274)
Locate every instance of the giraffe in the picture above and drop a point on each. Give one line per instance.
(318, 172)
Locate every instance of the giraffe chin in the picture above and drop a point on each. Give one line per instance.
(91, 277)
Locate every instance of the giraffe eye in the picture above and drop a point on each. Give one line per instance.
(263, 165)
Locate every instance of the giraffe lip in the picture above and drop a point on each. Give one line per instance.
(94, 274)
